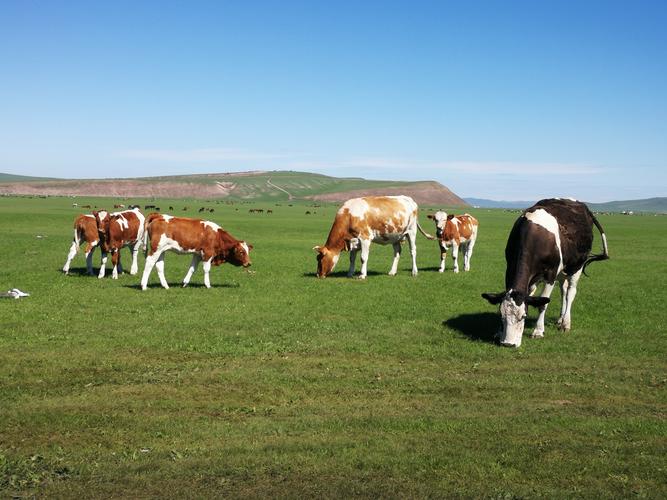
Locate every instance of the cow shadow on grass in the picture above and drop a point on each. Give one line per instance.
(78, 271)
(137, 286)
(342, 274)
(480, 327)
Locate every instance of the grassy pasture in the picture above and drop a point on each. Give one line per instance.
(276, 384)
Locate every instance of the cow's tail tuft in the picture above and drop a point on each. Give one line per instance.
(430, 237)
(605, 249)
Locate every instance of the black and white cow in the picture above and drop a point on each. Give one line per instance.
(551, 240)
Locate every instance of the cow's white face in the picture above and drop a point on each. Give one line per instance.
(326, 261)
(440, 219)
(513, 315)
(513, 311)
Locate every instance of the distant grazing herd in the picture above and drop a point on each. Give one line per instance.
(550, 241)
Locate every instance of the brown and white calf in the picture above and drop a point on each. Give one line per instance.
(457, 231)
(377, 219)
(207, 241)
(551, 240)
(86, 230)
(122, 229)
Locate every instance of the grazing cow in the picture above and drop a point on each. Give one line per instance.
(455, 231)
(207, 241)
(122, 229)
(360, 221)
(550, 240)
(86, 229)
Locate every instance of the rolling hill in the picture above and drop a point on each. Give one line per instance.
(251, 186)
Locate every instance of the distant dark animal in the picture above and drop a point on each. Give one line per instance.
(307, 212)
(207, 241)
(201, 209)
(147, 207)
(119, 205)
(171, 209)
(269, 211)
(86, 206)
(551, 240)
(211, 210)
(455, 231)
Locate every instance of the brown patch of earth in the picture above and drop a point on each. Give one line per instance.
(424, 193)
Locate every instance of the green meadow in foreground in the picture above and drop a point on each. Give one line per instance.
(276, 384)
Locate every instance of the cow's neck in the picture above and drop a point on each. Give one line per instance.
(338, 236)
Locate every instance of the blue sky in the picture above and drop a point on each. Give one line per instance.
(496, 99)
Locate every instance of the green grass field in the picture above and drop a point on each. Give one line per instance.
(277, 384)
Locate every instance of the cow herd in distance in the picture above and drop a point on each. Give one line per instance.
(550, 241)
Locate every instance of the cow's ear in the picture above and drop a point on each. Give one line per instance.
(494, 298)
(250, 247)
(318, 249)
(537, 301)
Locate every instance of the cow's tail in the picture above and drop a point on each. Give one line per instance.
(146, 236)
(76, 239)
(605, 250)
(430, 237)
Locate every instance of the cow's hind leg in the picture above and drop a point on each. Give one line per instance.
(70, 256)
(151, 260)
(206, 266)
(103, 265)
(196, 258)
(412, 243)
(134, 269)
(468, 255)
(538, 332)
(569, 292)
(365, 250)
(397, 256)
(159, 265)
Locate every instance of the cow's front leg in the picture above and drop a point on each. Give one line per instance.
(455, 256)
(115, 260)
(353, 259)
(397, 256)
(443, 257)
(196, 258)
(103, 265)
(365, 250)
(206, 266)
(538, 332)
(569, 292)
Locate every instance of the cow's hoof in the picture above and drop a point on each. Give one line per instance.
(360, 277)
(456, 271)
(507, 344)
(184, 285)
(441, 270)
(537, 335)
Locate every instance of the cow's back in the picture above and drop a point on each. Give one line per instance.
(575, 224)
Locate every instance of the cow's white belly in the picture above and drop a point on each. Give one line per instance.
(386, 238)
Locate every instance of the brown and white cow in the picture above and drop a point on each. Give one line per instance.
(455, 231)
(207, 241)
(86, 230)
(122, 229)
(551, 240)
(377, 219)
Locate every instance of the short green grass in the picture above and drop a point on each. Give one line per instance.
(277, 384)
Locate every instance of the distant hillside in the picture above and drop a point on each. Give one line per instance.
(653, 205)
(22, 178)
(255, 186)
(483, 203)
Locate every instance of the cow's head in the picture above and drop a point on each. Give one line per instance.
(102, 220)
(326, 260)
(440, 219)
(237, 255)
(513, 311)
